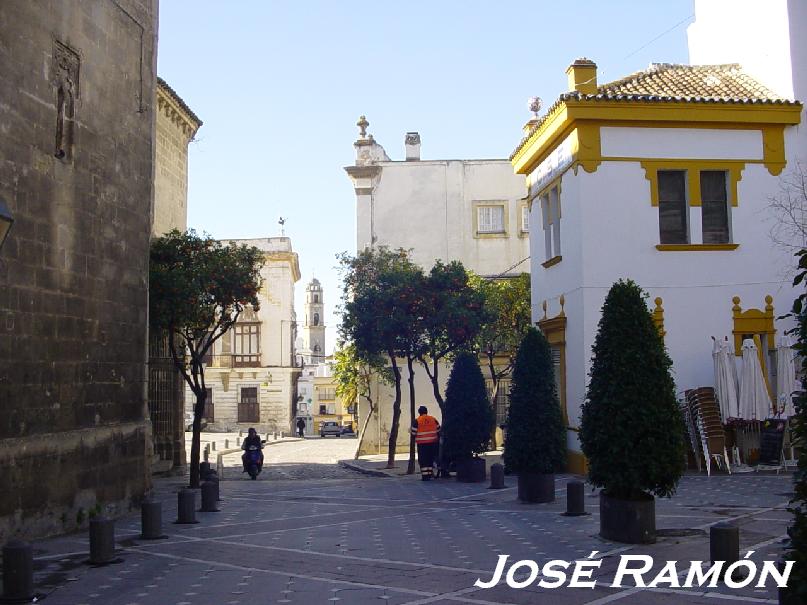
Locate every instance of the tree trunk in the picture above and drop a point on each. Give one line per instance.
(198, 411)
(396, 412)
(410, 469)
(364, 425)
(494, 377)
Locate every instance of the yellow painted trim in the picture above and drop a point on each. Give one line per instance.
(554, 328)
(576, 463)
(552, 261)
(505, 219)
(693, 167)
(658, 317)
(588, 146)
(753, 321)
(695, 247)
(587, 116)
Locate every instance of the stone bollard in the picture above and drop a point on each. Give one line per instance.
(238, 440)
(212, 446)
(241, 432)
(496, 476)
(186, 506)
(226, 444)
(208, 498)
(274, 435)
(204, 469)
(724, 544)
(213, 478)
(207, 453)
(18, 572)
(575, 499)
(151, 520)
(102, 540)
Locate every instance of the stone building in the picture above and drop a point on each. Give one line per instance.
(176, 126)
(76, 170)
(251, 372)
(472, 211)
(312, 337)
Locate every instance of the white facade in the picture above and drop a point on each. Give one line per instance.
(609, 223)
(472, 211)
(251, 374)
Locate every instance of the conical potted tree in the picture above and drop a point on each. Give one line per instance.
(467, 419)
(631, 424)
(535, 446)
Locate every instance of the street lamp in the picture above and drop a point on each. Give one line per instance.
(6, 220)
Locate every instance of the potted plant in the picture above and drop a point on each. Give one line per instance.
(535, 447)
(631, 424)
(467, 419)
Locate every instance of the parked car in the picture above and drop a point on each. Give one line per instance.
(330, 428)
(348, 430)
(189, 422)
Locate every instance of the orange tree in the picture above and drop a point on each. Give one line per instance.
(197, 289)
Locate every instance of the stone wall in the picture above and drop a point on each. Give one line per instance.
(76, 169)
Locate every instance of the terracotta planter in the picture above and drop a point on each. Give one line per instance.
(628, 521)
(473, 470)
(536, 487)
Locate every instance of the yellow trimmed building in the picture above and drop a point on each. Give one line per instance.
(663, 177)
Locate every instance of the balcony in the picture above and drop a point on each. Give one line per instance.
(233, 361)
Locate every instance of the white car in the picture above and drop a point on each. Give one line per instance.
(330, 428)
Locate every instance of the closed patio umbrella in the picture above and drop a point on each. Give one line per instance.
(725, 379)
(755, 403)
(785, 376)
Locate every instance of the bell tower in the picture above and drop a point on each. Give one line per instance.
(313, 325)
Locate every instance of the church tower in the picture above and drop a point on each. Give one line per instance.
(314, 327)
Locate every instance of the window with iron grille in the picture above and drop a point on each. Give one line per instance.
(502, 403)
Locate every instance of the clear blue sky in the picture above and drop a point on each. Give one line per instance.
(279, 86)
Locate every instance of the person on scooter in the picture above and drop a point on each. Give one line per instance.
(252, 439)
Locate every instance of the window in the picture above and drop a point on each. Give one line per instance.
(714, 207)
(316, 319)
(672, 207)
(550, 212)
(248, 405)
(209, 413)
(327, 394)
(316, 298)
(323, 409)
(246, 344)
(525, 219)
(490, 219)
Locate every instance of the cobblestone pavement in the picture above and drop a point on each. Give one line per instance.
(310, 458)
(400, 541)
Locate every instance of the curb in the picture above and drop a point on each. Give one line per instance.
(360, 469)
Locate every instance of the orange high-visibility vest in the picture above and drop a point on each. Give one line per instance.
(427, 429)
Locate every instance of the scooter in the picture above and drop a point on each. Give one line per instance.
(253, 461)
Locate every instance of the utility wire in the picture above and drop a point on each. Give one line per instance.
(661, 35)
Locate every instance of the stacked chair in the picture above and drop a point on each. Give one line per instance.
(705, 413)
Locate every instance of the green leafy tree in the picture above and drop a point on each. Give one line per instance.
(797, 532)
(507, 304)
(536, 439)
(354, 379)
(631, 425)
(467, 417)
(379, 287)
(197, 289)
(453, 313)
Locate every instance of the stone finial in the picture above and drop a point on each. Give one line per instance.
(543, 306)
(562, 301)
(362, 124)
(534, 104)
(736, 308)
(769, 303)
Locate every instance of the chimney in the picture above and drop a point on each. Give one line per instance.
(412, 143)
(583, 76)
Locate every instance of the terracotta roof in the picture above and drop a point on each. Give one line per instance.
(178, 100)
(670, 82)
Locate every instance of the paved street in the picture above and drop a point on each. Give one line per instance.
(355, 539)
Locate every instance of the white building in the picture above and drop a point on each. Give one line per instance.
(472, 211)
(251, 370)
(665, 177)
